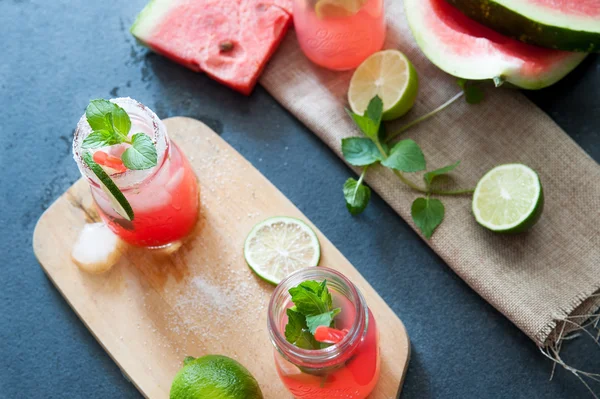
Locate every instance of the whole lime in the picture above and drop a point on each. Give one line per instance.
(214, 377)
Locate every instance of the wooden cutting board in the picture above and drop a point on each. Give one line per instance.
(153, 309)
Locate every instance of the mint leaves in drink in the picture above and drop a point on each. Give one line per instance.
(313, 307)
(110, 126)
(405, 156)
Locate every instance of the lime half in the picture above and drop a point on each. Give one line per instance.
(389, 75)
(214, 377)
(279, 246)
(117, 199)
(508, 199)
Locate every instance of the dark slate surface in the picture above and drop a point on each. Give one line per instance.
(56, 55)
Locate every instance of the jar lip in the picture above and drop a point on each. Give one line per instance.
(155, 129)
(317, 357)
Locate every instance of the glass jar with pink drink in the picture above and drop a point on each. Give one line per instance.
(341, 359)
(339, 34)
(162, 200)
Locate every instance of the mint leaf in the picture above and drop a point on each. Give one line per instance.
(473, 94)
(313, 286)
(405, 156)
(360, 151)
(142, 153)
(427, 214)
(357, 196)
(323, 319)
(296, 331)
(375, 110)
(325, 295)
(96, 112)
(306, 301)
(98, 139)
(370, 122)
(296, 323)
(307, 341)
(429, 176)
(121, 121)
(366, 125)
(312, 308)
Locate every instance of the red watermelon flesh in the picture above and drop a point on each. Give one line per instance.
(467, 49)
(229, 40)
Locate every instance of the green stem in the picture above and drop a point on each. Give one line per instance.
(453, 192)
(409, 183)
(424, 117)
(362, 176)
(397, 172)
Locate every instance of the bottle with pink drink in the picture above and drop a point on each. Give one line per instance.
(325, 336)
(339, 34)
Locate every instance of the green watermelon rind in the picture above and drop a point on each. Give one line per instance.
(148, 18)
(534, 25)
(483, 68)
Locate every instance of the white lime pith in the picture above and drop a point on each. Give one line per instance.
(279, 246)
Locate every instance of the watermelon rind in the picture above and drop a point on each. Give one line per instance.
(533, 23)
(149, 18)
(494, 64)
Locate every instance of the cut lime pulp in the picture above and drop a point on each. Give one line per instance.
(279, 246)
(117, 200)
(389, 75)
(508, 199)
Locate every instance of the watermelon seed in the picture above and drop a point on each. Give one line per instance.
(226, 46)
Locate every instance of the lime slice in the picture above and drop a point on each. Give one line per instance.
(337, 8)
(117, 199)
(508, 199)
(214, 377)
(389, 75)
(279, 246)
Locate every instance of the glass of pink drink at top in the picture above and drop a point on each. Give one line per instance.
(339, 34)
(164, 198)
(346, 369)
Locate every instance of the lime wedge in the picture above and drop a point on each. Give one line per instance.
(337, 8)
(389, 75)
(279, 246)
(508, 199)
(116, 197)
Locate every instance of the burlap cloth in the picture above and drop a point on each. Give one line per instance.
(536, 279)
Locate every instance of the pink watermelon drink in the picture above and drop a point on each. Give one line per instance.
(339, 34)
(163, 199)
(341, 359)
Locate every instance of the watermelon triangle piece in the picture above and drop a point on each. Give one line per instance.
(229, 40)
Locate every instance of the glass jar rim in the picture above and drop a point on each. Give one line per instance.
(157, 132)
(334, 354)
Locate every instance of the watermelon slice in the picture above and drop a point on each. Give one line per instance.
(572, 25)
(230, 40)
(464, 48)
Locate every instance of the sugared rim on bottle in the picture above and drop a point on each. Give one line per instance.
(156, 130)
(334, 354)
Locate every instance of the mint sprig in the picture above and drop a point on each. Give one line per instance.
(110, 126)
(405, 156)
(313, 307)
